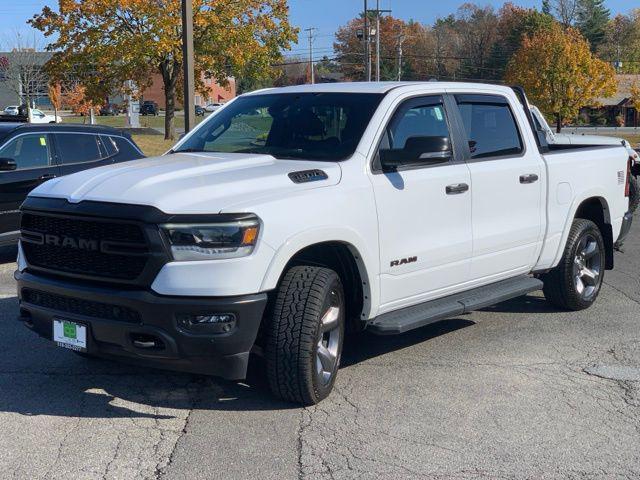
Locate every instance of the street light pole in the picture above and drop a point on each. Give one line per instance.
(188, 65)
(367, 57)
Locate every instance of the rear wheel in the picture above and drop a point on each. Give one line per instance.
(575, 283)
(304, 337)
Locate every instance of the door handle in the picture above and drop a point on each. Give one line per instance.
(529, 178)
(47, 176)
(456, 188)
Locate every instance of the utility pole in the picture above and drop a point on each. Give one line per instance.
(367, 57)
(377, 40)
(377, 30)
(401, 39)
(311, 30)
(188, 65)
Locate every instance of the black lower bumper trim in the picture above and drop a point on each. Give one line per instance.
(156, 339)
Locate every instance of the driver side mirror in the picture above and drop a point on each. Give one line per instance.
(7, 164)
(418, 151)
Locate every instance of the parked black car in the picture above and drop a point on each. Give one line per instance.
(31, 154)
(200, 111)
(109, 110)
(149, 107)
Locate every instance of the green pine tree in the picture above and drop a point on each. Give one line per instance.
(592, 21)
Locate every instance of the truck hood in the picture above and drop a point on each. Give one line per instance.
(189, 182)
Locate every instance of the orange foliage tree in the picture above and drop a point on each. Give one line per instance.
(560, 73)
(104, 43)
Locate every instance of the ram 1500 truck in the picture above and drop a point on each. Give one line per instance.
(293, 215)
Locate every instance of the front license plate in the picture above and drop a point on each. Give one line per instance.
(70, 335)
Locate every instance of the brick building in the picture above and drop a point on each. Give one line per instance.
(215, 92)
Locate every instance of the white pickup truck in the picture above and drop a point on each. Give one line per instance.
(292, 215)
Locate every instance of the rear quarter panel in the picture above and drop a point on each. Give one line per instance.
(573, 177)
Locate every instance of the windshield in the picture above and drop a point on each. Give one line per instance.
(314, 126)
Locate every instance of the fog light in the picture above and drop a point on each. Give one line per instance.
(208, 319)
(208, 323)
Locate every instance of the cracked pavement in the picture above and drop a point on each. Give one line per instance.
(516, 391)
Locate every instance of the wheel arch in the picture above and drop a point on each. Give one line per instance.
(347, 257)
(596, 209)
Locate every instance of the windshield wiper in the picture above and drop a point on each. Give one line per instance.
(189, 150)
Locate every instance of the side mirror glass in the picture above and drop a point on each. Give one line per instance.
(7, 164)
(417, 151)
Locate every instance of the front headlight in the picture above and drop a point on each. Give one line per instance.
(212, 241)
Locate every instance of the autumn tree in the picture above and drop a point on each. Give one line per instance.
(560, 73)
(621, 43)
(104, 43)
(514, 23)
(77, 101)
(565, 11)
(55, 96)
(477, 31)
(417, 45)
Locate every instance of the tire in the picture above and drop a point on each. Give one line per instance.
(304, 336)
(575, 283)
(634, 193)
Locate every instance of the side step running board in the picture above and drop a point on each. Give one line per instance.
(416, 316)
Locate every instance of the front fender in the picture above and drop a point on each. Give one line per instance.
(366, 260)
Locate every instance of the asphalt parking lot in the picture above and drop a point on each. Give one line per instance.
(517, 391)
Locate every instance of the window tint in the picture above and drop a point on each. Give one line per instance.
(313, 126)
(418, 121)
(28, 151)
(108, 145)
(75, 148)
(489, 125)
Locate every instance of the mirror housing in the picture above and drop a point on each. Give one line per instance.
(418, 151)
(7, 164)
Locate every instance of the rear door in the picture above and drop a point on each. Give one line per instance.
(78, 151)
(424, 211)
(33, 155)
(507, 188)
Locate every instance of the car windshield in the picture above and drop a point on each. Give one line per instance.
(314, 126)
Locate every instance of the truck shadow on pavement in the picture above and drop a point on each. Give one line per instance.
(8, 254)
(38, 378)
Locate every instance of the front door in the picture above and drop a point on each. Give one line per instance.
(34, 165)
(508, 196)
(424, 211)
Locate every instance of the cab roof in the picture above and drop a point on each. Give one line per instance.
(374, 87)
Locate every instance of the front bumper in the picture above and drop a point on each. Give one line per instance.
(142, 314)
(627, 220)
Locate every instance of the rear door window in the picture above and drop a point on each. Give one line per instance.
(490, 126)
(78, 147)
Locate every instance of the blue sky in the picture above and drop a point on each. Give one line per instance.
(325, 15)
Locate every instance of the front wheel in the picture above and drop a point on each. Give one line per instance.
(575, 283)
(304, 336)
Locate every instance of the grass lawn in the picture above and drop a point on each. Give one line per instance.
(153, 145)
(632, 138)
(118, 121)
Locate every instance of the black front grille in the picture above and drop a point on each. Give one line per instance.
(51, 243)
(77, 306)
